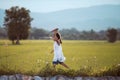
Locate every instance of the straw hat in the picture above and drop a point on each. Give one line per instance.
(56, 29)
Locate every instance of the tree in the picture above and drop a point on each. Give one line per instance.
(38, 33)
(112, 35)
(17, 22)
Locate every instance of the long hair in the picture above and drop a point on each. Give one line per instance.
(59, 41)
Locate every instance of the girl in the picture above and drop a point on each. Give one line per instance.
(58, 54)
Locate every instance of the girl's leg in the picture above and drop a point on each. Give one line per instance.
(63, 64)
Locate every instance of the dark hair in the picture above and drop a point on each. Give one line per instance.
(59, 37)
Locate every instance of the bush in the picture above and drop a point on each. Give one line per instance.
(49, 70)
(113, 71)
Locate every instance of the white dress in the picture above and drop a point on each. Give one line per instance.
(58, 54)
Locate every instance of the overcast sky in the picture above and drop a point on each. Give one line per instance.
(53, 5)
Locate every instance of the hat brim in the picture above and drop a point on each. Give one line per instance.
(56, 29)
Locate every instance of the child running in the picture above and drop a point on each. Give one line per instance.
(58, 54)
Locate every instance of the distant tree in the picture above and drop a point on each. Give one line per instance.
(17, 22)
(3, 34)
(93, 35)
(102, 35)
(70, 34)
(118, 33)
(112, 35)
(38, 33)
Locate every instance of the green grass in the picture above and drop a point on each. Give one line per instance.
(32, 55)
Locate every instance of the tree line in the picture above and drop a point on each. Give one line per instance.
(67, 34)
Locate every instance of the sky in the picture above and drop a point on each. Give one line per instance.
(45, 6)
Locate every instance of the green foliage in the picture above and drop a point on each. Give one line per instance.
(74, 34)
(48, 70)
(67, 34)
(18, 22)
(112, 71)
(6, 70)
(38, 33)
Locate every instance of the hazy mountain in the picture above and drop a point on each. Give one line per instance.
(1, 17)
(96, 17)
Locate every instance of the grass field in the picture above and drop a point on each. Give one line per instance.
(32, 55)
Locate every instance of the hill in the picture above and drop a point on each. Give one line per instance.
(95, 17)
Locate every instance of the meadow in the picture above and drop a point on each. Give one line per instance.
(33, 55)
